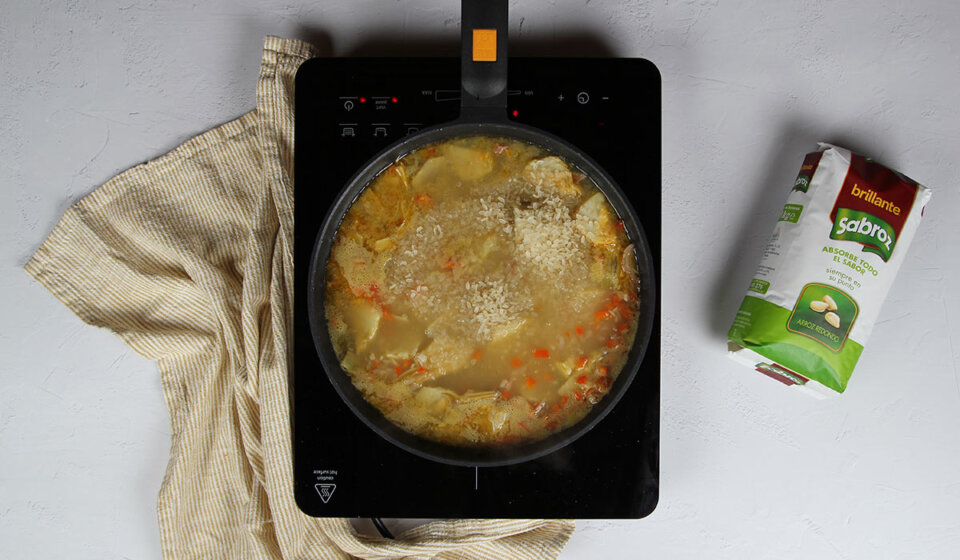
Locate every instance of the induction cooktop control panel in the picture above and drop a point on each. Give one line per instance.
(377, 118)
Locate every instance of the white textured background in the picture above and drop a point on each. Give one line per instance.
(749, 470)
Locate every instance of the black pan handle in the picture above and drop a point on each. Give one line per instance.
(483, 59)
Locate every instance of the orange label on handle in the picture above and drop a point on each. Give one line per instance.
(484, 45)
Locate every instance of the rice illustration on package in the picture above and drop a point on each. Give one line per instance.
(840, 239)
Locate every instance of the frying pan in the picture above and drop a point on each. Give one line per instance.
(483, 112)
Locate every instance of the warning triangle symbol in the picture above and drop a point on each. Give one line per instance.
(325, 491)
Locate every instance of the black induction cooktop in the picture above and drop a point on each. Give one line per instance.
(347, 110)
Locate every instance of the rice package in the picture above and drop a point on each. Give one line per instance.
(838, 244)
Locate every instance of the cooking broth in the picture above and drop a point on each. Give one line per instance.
(481, 291)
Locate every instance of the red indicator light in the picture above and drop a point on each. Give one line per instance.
(600, 124)
(515, 113)
(363, 100)
(393, 99)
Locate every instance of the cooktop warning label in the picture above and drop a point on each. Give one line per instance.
(325, 491)
(325, 483)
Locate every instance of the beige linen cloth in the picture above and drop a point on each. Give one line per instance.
(189, 259)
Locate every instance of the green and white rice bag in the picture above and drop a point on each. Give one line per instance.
(825, 272)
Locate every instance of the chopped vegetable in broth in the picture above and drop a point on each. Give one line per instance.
(482, 292)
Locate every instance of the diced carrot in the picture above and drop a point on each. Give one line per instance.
(567, 334)
(587, 393)
(423, 199)
(623, 327)
(579, 330)
(398, 369)
(386, 313)
(578, 396)
(421, 370)
(477, 354)
(375, 364)
(603, 370)
(359, 263)
(582, 361)
(524, 426)
(516, 362)
(563, 400)
(407, 363)
(582, 379)
(556, 408)
(611, 343)
(601, 315)
(620, 225)
(541, 353)
(505, 395)
(536, 307)
(531, 382)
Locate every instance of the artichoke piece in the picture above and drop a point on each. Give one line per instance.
(498, 419)
(359, 266)
(383, 208)
(353, 363)
(467, 163)
(551, 173)
(596, 222)
(435, 400)
(455, 164)
(363, 320)
(433, 172)
(392, 190)
(477, 254)
(569, 387)
(504, 330)
(397, 338)
(444, 356)
(564, 368)
(384, 244)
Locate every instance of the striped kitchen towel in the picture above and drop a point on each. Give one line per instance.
(189, 259)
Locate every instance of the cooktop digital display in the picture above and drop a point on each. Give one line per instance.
(347, 110)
